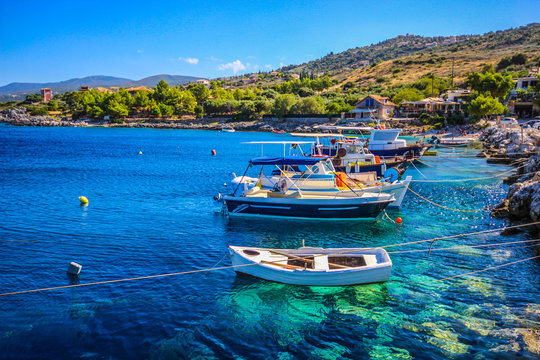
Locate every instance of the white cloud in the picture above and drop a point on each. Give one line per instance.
(268, 66)
(251, 57)
(213, 58)
(235, 66)
(192, 61)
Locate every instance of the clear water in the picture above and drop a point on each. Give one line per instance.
(154, 214)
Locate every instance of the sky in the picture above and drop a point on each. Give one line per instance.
(42, 41)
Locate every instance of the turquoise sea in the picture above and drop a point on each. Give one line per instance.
(154, 214)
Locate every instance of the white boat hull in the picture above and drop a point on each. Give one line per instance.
(378, 271)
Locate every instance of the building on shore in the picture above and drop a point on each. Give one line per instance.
(374, 106)
(430, 105)
(133, 90)
(204, 82)
(361, 64)
(84, 88)
(46, 94)
(457, 95)
(520, 101)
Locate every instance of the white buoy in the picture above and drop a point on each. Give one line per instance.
(74, 268)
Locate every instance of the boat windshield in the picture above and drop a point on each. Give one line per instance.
(384, 135)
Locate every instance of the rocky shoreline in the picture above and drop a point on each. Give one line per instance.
(20, 117)
(517, 147)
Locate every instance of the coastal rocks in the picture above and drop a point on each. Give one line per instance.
(20, 117)
(506, 145)
(511, 146)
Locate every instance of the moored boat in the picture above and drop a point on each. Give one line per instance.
(282, 200)
(385, 144)
(313, 266)
(320, 178)
(228, 129)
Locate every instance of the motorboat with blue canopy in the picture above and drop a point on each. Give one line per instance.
(302, 187)
(286, 160)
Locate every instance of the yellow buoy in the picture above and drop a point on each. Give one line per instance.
(83, 199)
(140, 152)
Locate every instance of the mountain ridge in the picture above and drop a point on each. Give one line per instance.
(20, 89)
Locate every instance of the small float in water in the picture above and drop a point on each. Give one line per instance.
(313, 266)
(227, 129)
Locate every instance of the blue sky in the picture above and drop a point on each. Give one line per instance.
(44, 41)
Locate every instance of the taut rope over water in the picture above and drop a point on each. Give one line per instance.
(237, 266)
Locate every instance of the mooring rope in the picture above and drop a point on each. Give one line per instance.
(443, 206)
(252, 264)
(504, 173)
(489, 268)
(461, 235)
(464, 246)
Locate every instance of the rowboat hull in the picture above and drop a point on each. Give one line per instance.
(378, 271)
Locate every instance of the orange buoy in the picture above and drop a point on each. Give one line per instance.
(214, 152)
(399, 220)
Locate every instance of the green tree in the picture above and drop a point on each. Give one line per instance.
(307, 106)
(200, 91)
(199, 111)
(220, 93)
(283, 104)
(155, 111)
(486, 105)
(141, 100)
(161, 92)
(498, 85)
(53, 105)
(408, 94)
(32, 98)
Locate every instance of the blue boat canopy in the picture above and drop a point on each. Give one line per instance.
(286, 160)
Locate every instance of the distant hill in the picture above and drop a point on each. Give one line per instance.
(20, 90)
(409, 44)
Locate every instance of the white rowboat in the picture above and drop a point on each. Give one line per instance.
(313, 266)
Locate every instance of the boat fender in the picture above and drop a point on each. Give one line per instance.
(218, 198)
(391, 175)
(377, 159)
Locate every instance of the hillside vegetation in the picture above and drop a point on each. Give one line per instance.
(525, 38)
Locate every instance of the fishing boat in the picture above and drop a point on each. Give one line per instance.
(293, 202)
(459, 141)
(385, 144)
(322, 179)
(313, 266)
(228, 129)
(350, 155)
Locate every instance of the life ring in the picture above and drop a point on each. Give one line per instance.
(341, 152)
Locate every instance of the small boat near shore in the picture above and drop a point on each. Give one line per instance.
(321, 178)
(294, 202)
(456, 141)
(313, 266)
(228, 129)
